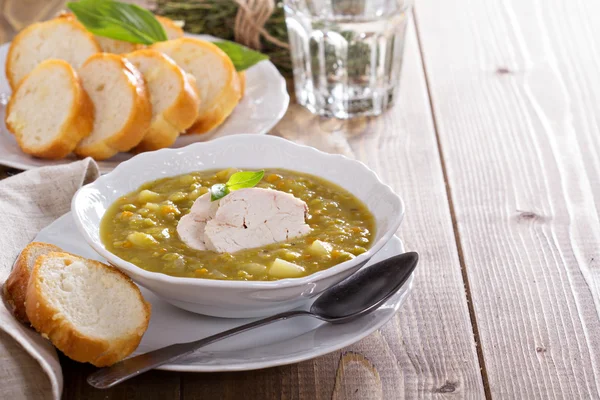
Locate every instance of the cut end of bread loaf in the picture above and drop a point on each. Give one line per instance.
(15, 287)
(90, 311)
(216, 78)
(121, 102)
(49, 112)
(60, 38)
(174, 101)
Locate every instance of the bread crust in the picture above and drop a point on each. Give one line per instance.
(220, 110)
(51, 323)
(169, 24)
(180, 115)
(15, 287)
(161, 134)
(221, 107)
(133, 131)
(242, 78)
(77, 125)
(184, 111)
(10, 56)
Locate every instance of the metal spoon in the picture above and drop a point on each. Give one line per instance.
(355, 296)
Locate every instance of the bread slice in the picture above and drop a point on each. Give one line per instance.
(174, 100)
(172, 29)
(121, 102)
(50, 112)
(216, 78)
(90, 311)
(60, 38)
(15, 287)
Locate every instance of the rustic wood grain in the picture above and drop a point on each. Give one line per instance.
(151, 385)
(427, 350)
(515, 90)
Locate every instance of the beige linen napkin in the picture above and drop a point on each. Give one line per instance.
(29, 367)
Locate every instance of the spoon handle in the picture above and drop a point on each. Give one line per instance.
(126, 369)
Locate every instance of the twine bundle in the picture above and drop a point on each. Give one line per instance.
(258, 24)
(250, 21)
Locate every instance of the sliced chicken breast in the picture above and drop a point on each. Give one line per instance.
(243, 219)
(191, 226)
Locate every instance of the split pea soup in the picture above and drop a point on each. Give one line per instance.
(141, 227)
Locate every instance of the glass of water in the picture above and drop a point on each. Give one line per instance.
(346, 54)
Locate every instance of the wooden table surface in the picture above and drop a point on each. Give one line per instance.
(494, 146)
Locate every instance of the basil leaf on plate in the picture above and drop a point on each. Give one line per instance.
(242, 57)
(120, 21)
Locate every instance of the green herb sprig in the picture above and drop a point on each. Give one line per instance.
(134, 24)
(237, 181)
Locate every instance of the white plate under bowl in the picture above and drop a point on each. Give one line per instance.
(263, 105)
(281, 343)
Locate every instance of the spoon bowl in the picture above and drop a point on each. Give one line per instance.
(364, 291)
(355, 296)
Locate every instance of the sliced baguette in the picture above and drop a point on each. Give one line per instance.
(90, 311)
(60, 38)
(50, 112)
(122, 104)
(174, 98)
(15, 287)
(216, 79)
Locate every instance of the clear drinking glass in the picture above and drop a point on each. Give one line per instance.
(346, 54)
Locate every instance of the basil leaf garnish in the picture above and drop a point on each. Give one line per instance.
(237, 181)
(120, 21)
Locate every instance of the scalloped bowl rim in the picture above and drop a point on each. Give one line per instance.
(133, 269)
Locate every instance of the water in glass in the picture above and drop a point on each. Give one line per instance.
(346, 54)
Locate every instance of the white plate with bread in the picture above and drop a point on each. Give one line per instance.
(61, 104)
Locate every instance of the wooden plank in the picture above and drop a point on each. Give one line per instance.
(428, 348)
(516, 96)
(152, 385)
